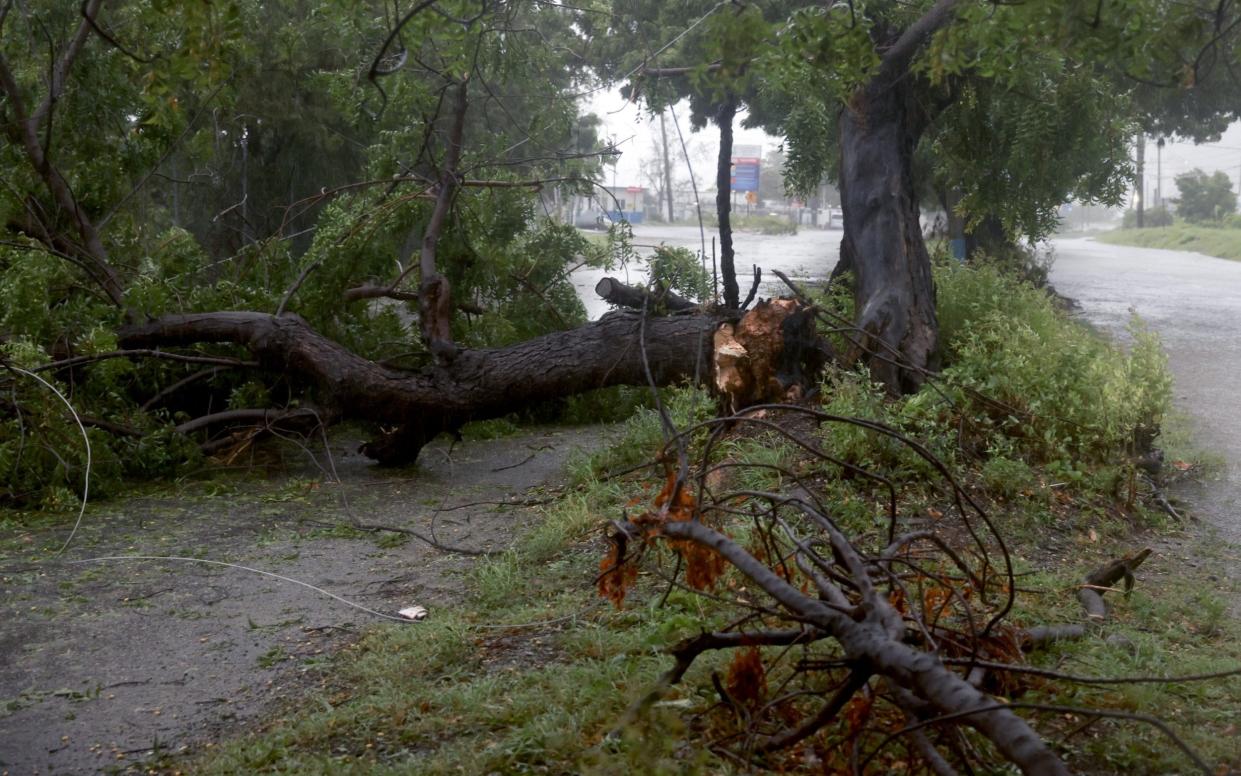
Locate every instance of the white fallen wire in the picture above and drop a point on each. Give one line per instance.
(85, 441)
(272, 574)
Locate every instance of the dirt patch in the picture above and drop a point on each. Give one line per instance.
(103, 664)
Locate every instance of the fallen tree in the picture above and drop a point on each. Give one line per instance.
(625, 347)
(416, 406)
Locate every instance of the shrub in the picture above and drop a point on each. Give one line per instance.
(1007, 477)
(1064, 392)
(773, 225)
(1152, 217)
(1205, 197)
(681, 270)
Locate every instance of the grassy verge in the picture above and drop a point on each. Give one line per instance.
(532, 675)
(1220, 242)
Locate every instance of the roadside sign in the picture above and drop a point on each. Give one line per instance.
(746, 161)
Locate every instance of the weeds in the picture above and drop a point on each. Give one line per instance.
(1223, 242)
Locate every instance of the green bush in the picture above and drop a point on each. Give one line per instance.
(1049, 382)
(1007, 477)
(1023, 386)
(680, 270)
(1151, 217)
(772, 225)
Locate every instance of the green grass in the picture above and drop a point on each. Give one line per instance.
(1176, 622)
(1223, 242)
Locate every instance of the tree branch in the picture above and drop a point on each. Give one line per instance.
(617, 293)
(60, 71)
(23, 131)
(435, 294)
(898, 55)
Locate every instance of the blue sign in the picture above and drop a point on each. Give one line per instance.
(745, 175)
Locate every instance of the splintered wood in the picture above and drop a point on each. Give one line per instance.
(748, 356)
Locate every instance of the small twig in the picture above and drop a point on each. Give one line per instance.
(522, 462)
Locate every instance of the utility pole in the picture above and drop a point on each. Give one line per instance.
(1159, 172)
(663, 135)
(1141, 179)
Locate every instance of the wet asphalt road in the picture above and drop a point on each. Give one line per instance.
(1194, 303)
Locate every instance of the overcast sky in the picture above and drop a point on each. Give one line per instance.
(634, 132)
(1182, 157)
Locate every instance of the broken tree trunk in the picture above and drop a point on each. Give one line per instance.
(412, 407)
(617, 293)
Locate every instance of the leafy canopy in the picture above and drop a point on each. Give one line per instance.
(1205, 197)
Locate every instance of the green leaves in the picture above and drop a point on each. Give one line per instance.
(1205, 197)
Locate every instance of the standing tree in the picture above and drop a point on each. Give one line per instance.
(700, 51)
(1205, 197)
(873, 81)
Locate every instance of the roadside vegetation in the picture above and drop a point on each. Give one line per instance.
(1036, 414)
(1205, 221)
(755, 222)
(1222, 241)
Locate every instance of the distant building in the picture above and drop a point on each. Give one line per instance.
(611, 204)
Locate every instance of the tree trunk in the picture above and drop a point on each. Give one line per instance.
(988, 238)
(1140, 180)
(616, 292)
(723, 203)
(434, 294)
(883, 246)
(478, 384)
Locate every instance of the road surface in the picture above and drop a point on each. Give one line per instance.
(1194, 303)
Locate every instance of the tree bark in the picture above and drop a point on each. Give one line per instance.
(478, 384)
(883, 245)
(723, 201)
(883, 248)
(435, 294)
(617, 293)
